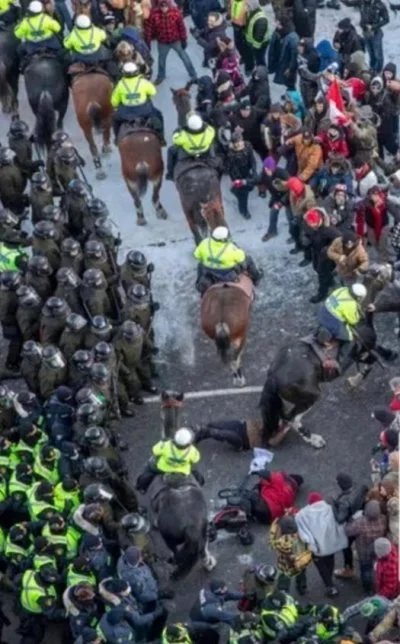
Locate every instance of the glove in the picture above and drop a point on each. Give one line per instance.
(184, 44)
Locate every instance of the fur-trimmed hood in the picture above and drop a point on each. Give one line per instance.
(84, 525)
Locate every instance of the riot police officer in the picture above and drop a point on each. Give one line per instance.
(79, 369)
(73, 337)
(71, 255)
(28, 312)
(38, 275)
(135, 269)
(99, 330)
(53, 319)
(40, 195)
(94, 293)
(44, 242)
(10, 282)
(52, 372)
(30, 364)
(68, 289)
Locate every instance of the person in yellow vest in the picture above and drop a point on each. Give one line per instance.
(176, 634)
(38, 30)
(38, 600)
(131, 99)
(256, 36)
(175, 456)
(220, 260)
(9, 12)
(238, 15)
(40, 500)
(340, 312)
(194, 141)
(86, 42)
(46, 465)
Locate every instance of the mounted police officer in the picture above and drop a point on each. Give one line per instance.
(38, 30)
(194, 141)
(131, 99)
(86, 42)
(220, 260)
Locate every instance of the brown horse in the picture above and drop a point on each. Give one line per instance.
(91, 93)
(225, 317)
(141, 162)
(197, 183)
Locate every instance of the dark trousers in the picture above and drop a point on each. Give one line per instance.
(373, 43)
(300, 580)
(240, 42)
(325, 567)
(367, 576)
(324, 268)
(348, 558)
(253, 57)
(14, 338)
(242, 196)
(273, 221)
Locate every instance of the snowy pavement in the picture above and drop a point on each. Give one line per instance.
(281, 311)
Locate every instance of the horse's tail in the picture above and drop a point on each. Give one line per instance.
(142, 177)
(271, 406)
(94, 111)
(223, 340)
(45, 119)
(188, 553)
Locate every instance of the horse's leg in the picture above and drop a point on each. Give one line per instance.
(208, 560)
(88, 132)
(236, 364)
(106, 130)
(160, 210)
(61, 112)
(315, 440)
(140, 218)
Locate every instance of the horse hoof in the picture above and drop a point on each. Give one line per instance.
(141, 221)
(239, 381)
(209, 563)
(106, 149)
(161, 213)
(354, 381)
(101, 174)
(317, 441)
(7, 108)
(278, 438)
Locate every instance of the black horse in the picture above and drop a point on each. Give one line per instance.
(9, 70)
(47, 90)
(295, 376)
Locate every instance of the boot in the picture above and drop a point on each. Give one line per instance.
(304, 262)
(202, 434)
(295, 250)
(268, 236)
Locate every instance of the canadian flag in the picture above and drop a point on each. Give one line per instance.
(335, 103)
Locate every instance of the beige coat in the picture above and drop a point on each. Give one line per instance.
(349, 265)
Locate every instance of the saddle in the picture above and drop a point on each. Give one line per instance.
(243, 282)
(76, 70)
(185, 165)
(139, 124)
(327, 353)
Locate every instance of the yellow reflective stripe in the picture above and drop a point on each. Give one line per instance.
(215, 258)
(82, 41)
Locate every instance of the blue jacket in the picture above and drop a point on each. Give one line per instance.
(327, 54)
(296, 99)
(282, 56)
(209, 607)
(323, 181)
(141, 580)
(120, 633)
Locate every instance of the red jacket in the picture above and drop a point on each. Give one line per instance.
(376, 217)
(278, 493)
(165, 27)
(337, 147)
(357, 86)
(387, 575)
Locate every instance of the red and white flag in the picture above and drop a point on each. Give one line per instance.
(336, 104)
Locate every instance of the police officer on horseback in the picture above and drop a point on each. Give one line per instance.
(9, 12)
(220, 260)
(38, 30)
(340, 312)
(131, 99)
(86, 42)
(194, 141)
(175, 456)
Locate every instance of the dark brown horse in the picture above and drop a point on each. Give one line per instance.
(141, 162)
(225, 317)
(197, 183)
(91, 93)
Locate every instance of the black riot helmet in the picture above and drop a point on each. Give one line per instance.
(87, 412)
(103, 228)
(96, 436)
(76, 322)
(97, 493)
(31, 349)
(130, 330)
(41, 181)
(138, 294)
(67, 277)
(59, 137)
(39, 265)
(82, 359)
(95, 465)
(11, 280)
(56, 306)
(98, 208)
(27, 296)
(18, 129)
(44, 230)
(102, 351)
(7, 218)
(101, 327)
(53, 357)
(94, 278)
(67, 155)
(99, 373)
(95, 249)
(77, 187)
(7, 156)
(51, 213)
(138, 262)
(70, 247)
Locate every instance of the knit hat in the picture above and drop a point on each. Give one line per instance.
(117, 586)
(313, 217)
(245, 104)
(389, 438)
(344, 481)
(132, 555)
(383, 415)
(276, 108)
(345, 24)
(382, 547)
(314, 497)
(372, 510)
(269, 163)
(296, 186)
(216, 585)
(287, 524)
(64, 393)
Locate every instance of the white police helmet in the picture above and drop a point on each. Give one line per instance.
(359, 291)
(194, 122)
(83, 22)
(183, 437)
(35, 7)
(220, 233)
(130, 69)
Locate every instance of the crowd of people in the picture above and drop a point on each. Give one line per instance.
(76, 547)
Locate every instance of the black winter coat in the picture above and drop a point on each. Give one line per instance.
(373, 13)
(304, 17)
(241, 164)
